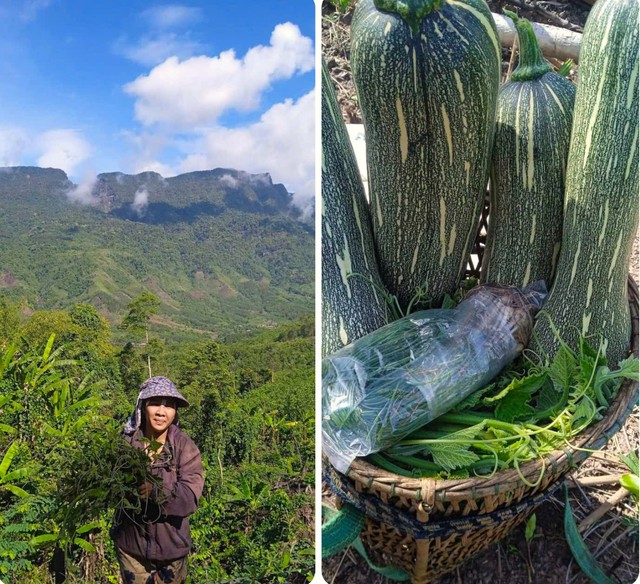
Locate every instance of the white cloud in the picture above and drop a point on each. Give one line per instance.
(151, 50)
(282, 143)
(147, 147)
(83, 193)
(172, 15)
(229, 181)
(24, 10)
(140, 201)
(198, 90)
(13, 143)
(162, 42)
(64, 148)
(162, 169)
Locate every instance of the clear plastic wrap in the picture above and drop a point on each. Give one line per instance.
(387, 384)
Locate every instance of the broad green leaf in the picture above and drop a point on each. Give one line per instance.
(84, 403)
(4, 400)
(84, 544)
(17, 491)
(47, 350)
(50, 430)
(589, 361)
(18, 474)
(8, 429)
(448, 302)
(548, 401)
(452, 456)
(631, 482)
(588, 353)
(286, 560)
(88, 527)
(96, 494)
(515, 406)
(8, 457)
(583, 414)
(449, 454)
(628, 370)
(530, 528)
(530, 384)
(632, 461)
(562, 370)
(42, 539)
(578, 547)
(473, 400)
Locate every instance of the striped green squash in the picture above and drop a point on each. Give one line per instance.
(589, 294)
(427, 74)
(533, 128)
(352, 304)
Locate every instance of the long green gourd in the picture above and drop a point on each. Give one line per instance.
(533, 128)
(427, 74)
(352, 302)
(589, 295)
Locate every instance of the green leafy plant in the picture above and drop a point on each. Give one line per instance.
(578, 546)
(631, 480)
(65, 426)
(100, 475)
(529, 411)
(6, 476)
(342, 6)
(565, 68)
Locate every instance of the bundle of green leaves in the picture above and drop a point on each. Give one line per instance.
(531, 410)
(99, 474)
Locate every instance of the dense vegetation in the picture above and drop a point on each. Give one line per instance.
(224, 251)
(65, 391)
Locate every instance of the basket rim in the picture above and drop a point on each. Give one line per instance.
(448, 490)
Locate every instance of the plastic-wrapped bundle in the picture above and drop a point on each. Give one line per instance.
(391, 382)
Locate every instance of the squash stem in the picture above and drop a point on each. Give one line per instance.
(532, 64)
(412, 11)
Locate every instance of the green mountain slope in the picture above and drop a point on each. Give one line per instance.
(223, 250)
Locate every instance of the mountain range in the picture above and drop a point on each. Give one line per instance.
(225, 251)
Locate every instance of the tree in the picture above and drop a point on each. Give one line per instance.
(137, 320)
(9, 320)
(94, 332)
(43, 323)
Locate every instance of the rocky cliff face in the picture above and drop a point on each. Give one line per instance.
(147, 195)
(218, 189)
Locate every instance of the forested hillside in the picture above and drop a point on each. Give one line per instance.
(64, 467)
(224, 251)
(205, 278)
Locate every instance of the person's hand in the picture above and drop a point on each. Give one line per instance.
(145, 490)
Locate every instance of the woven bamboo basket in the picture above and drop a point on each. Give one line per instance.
(428, 527)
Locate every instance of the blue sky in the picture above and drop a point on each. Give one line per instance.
(130, 86)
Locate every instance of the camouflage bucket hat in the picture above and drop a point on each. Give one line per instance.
(153, 387)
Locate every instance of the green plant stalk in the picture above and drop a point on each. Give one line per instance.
(531, 65)
(411, 11)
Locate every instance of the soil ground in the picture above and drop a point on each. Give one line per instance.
(546, 558)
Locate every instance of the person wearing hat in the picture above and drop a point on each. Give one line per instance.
(153, 546)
